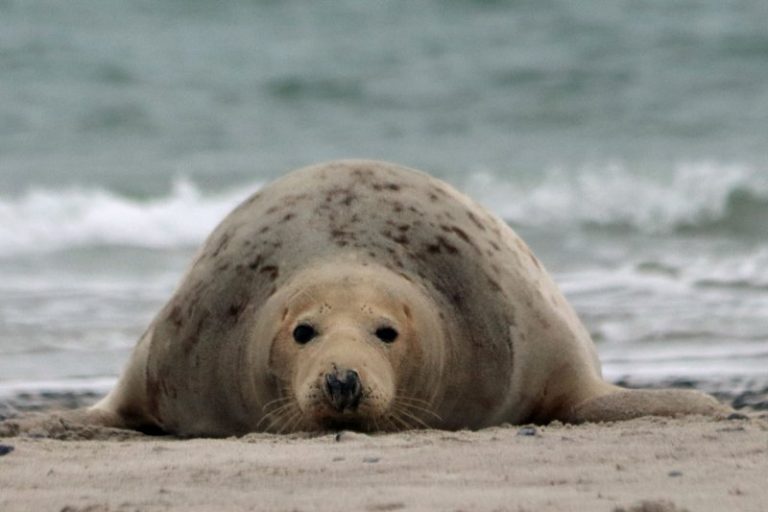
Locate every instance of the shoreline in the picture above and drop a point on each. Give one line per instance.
(644, 465)
(741, 398)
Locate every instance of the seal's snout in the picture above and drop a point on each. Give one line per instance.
(343, 389)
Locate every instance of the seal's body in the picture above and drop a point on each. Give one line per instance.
(359, 294)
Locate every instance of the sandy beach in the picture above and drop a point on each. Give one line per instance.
(650, 464)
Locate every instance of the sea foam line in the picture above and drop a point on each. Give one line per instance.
(691, 195)
(48, 220)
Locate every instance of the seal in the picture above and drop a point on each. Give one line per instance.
(364, 295)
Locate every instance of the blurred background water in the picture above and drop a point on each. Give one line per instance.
(626, 141)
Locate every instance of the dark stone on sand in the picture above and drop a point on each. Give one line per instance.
(5, 449)
(755, 400)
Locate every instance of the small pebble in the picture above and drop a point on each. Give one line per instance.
(347, 435)
(527, 431)
(5, 449)
(675, 473)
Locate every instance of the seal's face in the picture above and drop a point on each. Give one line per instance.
(360, 350)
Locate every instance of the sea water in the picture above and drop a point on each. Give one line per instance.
(627, 142)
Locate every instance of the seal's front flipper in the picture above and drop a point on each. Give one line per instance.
(74, 424)
(624, 404)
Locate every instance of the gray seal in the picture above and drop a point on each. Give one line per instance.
(364, 295)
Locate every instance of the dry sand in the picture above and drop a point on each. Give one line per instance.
(649, 465)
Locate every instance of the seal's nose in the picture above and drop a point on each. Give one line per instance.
(343, 389)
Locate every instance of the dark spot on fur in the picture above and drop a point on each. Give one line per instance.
(253, 265)
(223, 242)
(236, 309)
(460, 232)
(398, 238)
(433, 197)
(345, 194)
(175, 316)
(287, 217)
(475, 220)
(272, 209)
(264, 230)
(272, 272)
(397, 207)
(362, 173)
(404, 227)
(449, 248)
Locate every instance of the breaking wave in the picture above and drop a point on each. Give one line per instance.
(697, 197)
(48, 220)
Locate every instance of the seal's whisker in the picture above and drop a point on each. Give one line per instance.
(281, 407)
(278, 411)
(296, 422)
(396, 417)
(276, 402)
(272, 415)
(391, 424)
(289, 423)
(408, 414)
(417, 405)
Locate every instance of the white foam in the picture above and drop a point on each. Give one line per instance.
(692, 194)
(47, 220)
(100, 385)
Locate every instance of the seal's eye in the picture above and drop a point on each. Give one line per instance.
(303, 333)
(386, 334)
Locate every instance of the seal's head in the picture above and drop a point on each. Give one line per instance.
(357, 346)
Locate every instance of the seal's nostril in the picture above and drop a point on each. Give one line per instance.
(343, 389)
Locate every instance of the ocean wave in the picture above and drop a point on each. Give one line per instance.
(745, 270)
(49, 220)
(702, 196)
